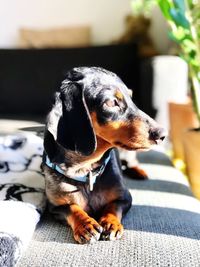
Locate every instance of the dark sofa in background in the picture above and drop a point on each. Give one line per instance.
(28, 77)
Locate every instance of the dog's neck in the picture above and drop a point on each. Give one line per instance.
(85, 164)
(102, 147)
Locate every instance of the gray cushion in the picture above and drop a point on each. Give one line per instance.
(162, 229)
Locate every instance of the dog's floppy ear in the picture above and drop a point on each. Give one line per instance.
(69, 120)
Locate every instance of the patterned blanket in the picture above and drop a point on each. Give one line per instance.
(22, 198)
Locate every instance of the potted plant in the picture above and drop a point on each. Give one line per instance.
(183, 17)
(181, 117)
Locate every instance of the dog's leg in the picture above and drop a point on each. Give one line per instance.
(135, 172)
(131, 166)
(111, 223)
(111, 218)
(85, 228)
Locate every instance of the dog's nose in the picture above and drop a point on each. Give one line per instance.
(157, 135)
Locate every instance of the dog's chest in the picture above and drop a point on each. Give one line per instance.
(93, 202)
(99, 199)
(63, 193)
(80, 169)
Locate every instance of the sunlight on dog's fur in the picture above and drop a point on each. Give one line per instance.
(92, 115)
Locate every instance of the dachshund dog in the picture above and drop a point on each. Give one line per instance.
(93, 114)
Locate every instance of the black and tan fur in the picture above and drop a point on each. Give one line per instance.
(93, 113)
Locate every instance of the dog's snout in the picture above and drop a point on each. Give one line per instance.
(157, 134)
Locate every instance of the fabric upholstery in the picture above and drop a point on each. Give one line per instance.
(75, 36)
(161, 229)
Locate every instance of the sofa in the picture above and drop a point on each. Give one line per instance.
(28, 77)
(162, 227)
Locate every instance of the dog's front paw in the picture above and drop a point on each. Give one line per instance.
(87, 231)
(112, 228)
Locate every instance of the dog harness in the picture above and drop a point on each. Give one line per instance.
(90, 178)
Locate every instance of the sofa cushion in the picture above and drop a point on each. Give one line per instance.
(161, 229)
(75, 36)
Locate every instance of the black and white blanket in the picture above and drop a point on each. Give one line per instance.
(22, 198)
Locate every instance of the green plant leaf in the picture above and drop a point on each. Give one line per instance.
(195, 63)
(184, 20)
(198, 75)
(189, 44)
(165, 8)
(190, 3)
(137, 7)
(180, 33)
(180, 5)
(173, 37)
(179, 18)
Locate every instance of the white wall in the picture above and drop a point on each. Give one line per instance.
(106, 18)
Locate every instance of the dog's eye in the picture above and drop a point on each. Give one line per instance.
(112, 103)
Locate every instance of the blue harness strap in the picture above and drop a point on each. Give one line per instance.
(90, 178)
(53, 166)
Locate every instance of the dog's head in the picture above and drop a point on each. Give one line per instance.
(93, 102)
